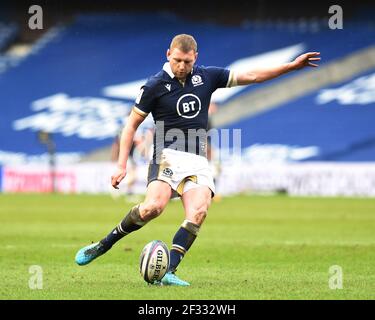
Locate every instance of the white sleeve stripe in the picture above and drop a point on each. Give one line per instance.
(138, 99)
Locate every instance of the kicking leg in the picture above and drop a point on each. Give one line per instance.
(157, 197)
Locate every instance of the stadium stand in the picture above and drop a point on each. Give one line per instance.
(63, 83)
(336, 121)
(7, 33)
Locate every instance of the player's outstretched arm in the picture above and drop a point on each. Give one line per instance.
(126, 141)
(260, 75)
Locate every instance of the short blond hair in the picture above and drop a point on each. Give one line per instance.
(184, 42)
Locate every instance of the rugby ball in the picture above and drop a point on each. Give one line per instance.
(154, 261)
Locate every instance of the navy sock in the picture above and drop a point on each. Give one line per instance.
(111, 238)
(130, 223)
(182, 242)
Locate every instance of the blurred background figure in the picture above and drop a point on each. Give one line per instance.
(213, 158)
(141, 152)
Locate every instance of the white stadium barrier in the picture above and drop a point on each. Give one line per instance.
(297, 179)
(301, 179)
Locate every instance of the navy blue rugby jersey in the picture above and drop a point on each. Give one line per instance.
(181, 106)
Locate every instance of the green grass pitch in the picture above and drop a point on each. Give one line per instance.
(250, 247)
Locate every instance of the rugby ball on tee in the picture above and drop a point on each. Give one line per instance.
(154, 261)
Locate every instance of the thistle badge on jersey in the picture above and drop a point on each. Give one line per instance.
(196, 80)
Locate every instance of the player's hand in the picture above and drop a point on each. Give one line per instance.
(306, 60)
(118, 177)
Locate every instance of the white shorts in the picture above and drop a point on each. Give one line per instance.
(183, 171)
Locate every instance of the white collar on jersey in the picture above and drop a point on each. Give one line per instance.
(167, 69)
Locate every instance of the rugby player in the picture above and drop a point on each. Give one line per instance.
(178, 98)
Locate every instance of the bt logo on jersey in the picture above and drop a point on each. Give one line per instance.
(188, 106)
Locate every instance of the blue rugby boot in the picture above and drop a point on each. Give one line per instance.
(89, 253)
(170, 279)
